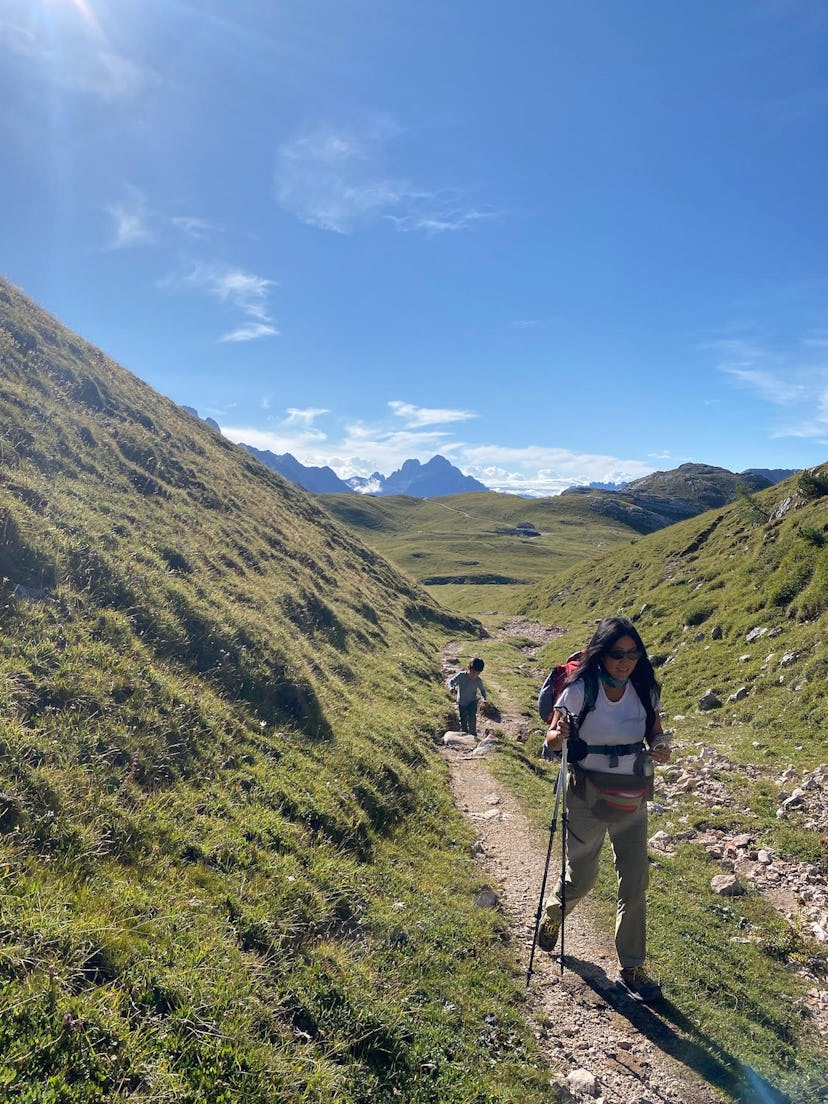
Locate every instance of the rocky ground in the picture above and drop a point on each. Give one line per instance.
(606, 1045)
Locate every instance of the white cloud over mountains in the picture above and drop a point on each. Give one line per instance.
(360, 448)
(417, 416)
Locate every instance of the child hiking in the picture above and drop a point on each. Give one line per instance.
(466, 685)
(613, 700)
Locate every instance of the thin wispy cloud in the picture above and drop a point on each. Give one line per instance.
(426, 216)
(772, 376)
(250, 331)
(193, 227)
(17, 38)
(130, 218)
(233, 287)
(791, 379)
(336, 180)
(418, 416)
(304, 417)
(86, 60)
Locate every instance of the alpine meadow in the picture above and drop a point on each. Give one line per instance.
(232, 868)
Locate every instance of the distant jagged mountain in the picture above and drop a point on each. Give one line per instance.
(774, 475)
(319, 480)
(431, 480)
(663, 498)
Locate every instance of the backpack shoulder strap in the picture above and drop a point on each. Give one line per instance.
(646, 699)
(590, 696)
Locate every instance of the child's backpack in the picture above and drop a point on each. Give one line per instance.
(554, 684)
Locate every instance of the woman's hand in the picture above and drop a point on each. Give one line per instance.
(660, 750)
(558, 731)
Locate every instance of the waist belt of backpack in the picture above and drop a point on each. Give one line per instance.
(616, 749)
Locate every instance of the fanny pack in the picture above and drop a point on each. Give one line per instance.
(612, 797)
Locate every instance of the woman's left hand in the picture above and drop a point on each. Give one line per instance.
(660, 754)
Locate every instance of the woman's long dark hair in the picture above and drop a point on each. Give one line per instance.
(608, 631)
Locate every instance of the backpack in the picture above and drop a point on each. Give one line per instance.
(554, 684)
(553, 687)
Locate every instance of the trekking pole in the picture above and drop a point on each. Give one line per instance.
(560, 791)
(565, 827)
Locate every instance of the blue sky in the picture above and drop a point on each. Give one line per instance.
(555, 242)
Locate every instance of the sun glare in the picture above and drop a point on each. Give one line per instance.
(81, 6)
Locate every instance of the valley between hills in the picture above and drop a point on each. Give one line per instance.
(233, 863)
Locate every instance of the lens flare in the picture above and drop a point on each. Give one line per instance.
(83, 7)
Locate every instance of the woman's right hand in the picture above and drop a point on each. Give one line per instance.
(558, 731)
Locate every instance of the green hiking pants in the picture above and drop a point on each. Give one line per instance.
(628, 837)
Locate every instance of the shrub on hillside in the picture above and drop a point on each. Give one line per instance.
(790, 580)
(812, 535)
(813, 484)
(698, 614)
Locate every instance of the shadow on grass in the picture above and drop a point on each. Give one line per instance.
(667, 1027)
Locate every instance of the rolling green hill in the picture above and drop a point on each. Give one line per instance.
(468, 549)
(231, 870)
(476, 552)
(761, 562)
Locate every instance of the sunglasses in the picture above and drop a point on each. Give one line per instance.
(617, 653)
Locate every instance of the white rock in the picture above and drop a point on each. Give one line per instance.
(459, 739)
(661, 840)
(727, 885)
(485, 746)
(755, 634)
(582, 1081)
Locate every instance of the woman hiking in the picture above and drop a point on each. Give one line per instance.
(615, 698)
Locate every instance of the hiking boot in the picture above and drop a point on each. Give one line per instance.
(548, 932)
(637, 981)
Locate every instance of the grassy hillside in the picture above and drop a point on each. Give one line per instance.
(760, 562)
(464, 548)
(230, 867)
(734, 601)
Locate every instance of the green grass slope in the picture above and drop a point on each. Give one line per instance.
(759, 562)
(230, 867)
(465, 548)
(734, 601)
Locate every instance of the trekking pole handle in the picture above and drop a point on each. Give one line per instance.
(563, 719)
